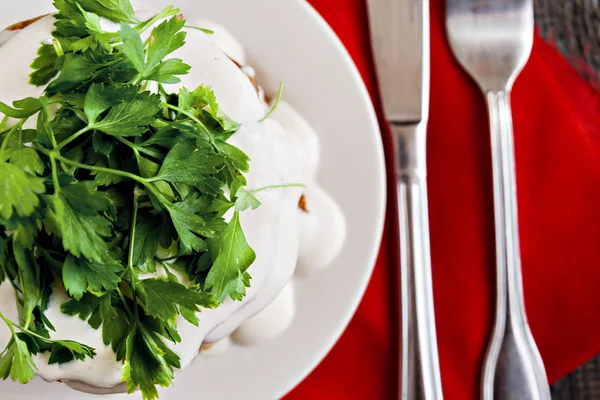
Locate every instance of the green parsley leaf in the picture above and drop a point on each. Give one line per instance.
(100, 98)
(186, 164)
(3, 258)
(228, 276)
(64, 351)
(76, 71)
(202, 97)
(145, 244)
(25, 233)
(131, 118)
(28, 272)
(148, 362)
(235, 159)
(116, 10)
(19, 191)
(28, 160)
(82, 234)
(245, 200)
(80, 276)
(84, 198)
(163, 298)
(189, 227)
(83, 307)
(166, 38)
(22, 108)
(133, 46)
(44, 66)
(45, 130)
(167, 71)
(16, 362)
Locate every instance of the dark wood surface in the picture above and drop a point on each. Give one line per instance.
(573, 26)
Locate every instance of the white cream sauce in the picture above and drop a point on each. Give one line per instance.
(284, 149)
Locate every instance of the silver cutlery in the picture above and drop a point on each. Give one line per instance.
(492, 40)
(400, 37)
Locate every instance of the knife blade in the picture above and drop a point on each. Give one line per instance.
(400, 39)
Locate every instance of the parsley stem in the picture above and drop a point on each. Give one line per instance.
(192, 117)
(141, 149)
(124, 301)
(93, 168)
(3, 123)
(72, 138)
(55, 180)
(9, 323)
(175, 257)
(283, 186)
(130, 255)
(275, 105)
(7, 137)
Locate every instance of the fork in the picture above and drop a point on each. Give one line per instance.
(492, 40)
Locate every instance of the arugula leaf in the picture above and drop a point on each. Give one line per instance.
(80, 276)
(163, 298)
(19, 191)
(228, 276)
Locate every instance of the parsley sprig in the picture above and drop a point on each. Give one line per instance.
(110, 174)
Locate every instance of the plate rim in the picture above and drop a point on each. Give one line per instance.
(327, 346)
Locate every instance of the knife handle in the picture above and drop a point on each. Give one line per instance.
(419, 361)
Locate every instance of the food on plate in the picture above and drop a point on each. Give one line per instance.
(154, 202)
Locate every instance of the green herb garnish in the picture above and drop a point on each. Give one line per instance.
(110, 174)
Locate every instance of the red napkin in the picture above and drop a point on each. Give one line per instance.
(557, 135)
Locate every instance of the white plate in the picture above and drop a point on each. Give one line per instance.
(287, 41)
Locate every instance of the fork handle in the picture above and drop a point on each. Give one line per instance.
(419, 369)
(513, 368)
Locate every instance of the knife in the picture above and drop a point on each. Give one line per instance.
(400, 39)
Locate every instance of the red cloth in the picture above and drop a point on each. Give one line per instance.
(557, 133)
